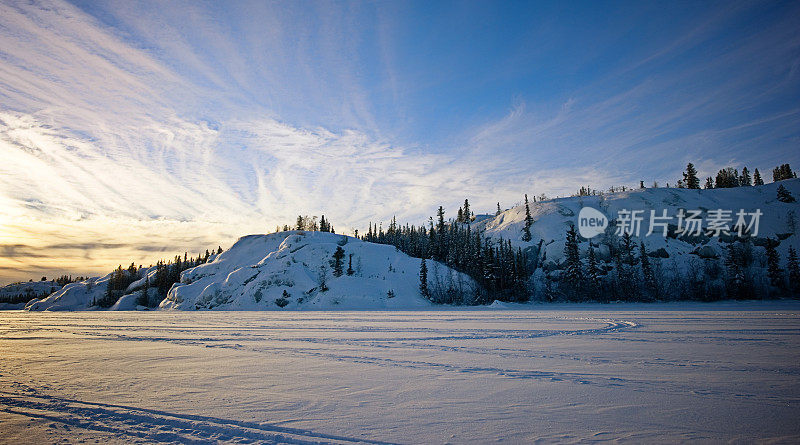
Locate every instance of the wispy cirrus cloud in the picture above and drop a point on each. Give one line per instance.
(101, 155)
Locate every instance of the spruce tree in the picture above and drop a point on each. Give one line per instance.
(773, 265)
(526, 230)
(423, 279)
(625, 261)
(735, 273)
(593, 273)
(745, 180)
(709, 183)
(783, 172)
(727, 178)
(108, 297)
(498, 210)
(144, 298)
(793, 269)
(467, 212)
(350, 270)
(573, 274)
(690, 177)
(460, 217)
(784, 195)
(441, 236)
(338, 263)
(757, 178)
(649, 277)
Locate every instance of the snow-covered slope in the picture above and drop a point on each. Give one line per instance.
(552, 218)
(281, 271)
(72, 297)
(12, 296)
(285, 270)
(82, 295)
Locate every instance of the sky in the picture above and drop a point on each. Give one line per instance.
(134, 131)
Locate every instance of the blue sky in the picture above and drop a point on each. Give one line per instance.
(187, 124)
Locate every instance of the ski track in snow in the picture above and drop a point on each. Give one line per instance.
(150, 425)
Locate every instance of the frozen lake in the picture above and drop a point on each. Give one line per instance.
(641, 373)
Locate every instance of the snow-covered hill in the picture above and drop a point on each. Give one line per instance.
(72, 297)
(286, 270)
(282, 271)
(16, 295)
(84, 295)
(552, 218)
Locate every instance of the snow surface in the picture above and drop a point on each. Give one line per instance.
(636, 373)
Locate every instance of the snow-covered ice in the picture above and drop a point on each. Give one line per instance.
(565, 373)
